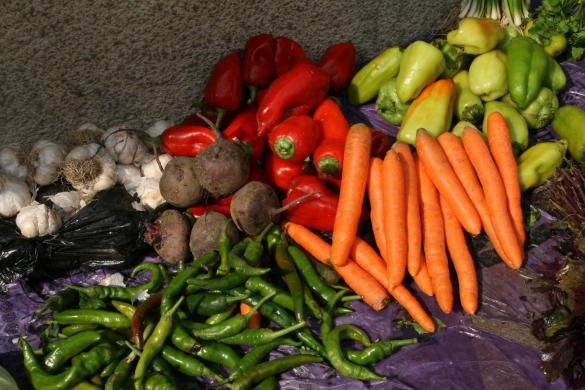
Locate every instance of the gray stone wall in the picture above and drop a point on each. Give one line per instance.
(112, 62)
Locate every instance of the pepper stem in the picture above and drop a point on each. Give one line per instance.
(220, 113)
(255, 308)
(291, 204)
(328, 166)
(284, 147)
(238, 298)
(400, 343)
(224, 244)
(169, 314)
(76, 288)
(212, 126)
(253, 89)
(352, 298)
(282, 332)
(260, 236)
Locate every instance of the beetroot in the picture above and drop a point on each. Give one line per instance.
(169, 235)
(179, 184)
(206, 231)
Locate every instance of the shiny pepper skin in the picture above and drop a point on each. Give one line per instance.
(339, 63)
(537, 164)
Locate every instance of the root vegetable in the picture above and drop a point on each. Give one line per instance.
(169, 235)
(179, 184)
(206, 231)
(89, 168)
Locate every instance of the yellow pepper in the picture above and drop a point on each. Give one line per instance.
(477, 35)
(537, 164)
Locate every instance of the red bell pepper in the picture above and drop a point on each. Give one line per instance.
(256, 174)
(317, 211)
(380, 144)
(339, 62)
(224, 88)
(328, 156)
(198, 211)
(331, 182)
(258, 63)
(186, 140)
(282, 172)
(243, 131)
(260, 96)
(295, 138)
(295, 93)
(286, 54)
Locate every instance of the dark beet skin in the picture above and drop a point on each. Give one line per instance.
(254, 206)
(169, 235)
(179, 184)
(206, 231)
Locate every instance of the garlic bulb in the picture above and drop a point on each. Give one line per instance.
(158, 128)
(67, 203)
(46, 160)
(88, 133)
(129, 177)
(124, 146)
(14, 195)
(14, 161)
(152, 170)
(37, 220)
(149, 194)
(89, 168)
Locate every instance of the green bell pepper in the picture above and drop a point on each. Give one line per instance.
(461, 125)
(516, 124)
(488, 77)
(539, 163)
(468, 106)
(366, 83)
(510, 33)
(527, 63)
(389, 106)
(540, 111)
(453, 57)
(555, 77)
(476, 35)
(421, 64)
(568, 123)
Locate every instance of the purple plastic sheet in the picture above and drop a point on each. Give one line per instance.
(457, 357)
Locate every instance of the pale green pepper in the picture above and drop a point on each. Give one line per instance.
(569, 123)
(516, 124)
(476, 35)
(488, 76)
(554, 77)
(540, 111)
(510, 33)
(389, 105)
(366, 83)
(421, 64)
(461, 125)
(539, 163)
(468, 106)
(453, 57)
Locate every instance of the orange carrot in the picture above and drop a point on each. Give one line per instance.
(367, 258)
(255, 321)
(374, 188)
(356, 162)
(434, 240)
(422, 278)
(462, 260)
(413, 228)
(495, 195)
(501, 149)
(432, 157)
(459, 160)
(356, 278)
(394, 198)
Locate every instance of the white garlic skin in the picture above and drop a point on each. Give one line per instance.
(67, 203)
(158, 128)
(129, 176)
(10, 164)
(124, 146)
(37, 220)
(48, 162)
(149, 194)
(14, 195)
(107, 178)
(151, 168)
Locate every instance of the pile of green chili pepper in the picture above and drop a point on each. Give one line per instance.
(187, 324)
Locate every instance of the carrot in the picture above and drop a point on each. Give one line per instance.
(356, 278)
(374, 188)
(495, 195)
(432, 157)
(255, 321)
(503, 155)
(394, 198)
(367, 258)
(413, 227)
(422, 278)
(462, 260)
(353, 188)
(434, 240)
(459, 160)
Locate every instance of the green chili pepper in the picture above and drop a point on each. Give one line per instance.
(86, 302)
(229, 327)
(389, 106)
(181, 266)
(328, 274)
(453, 57)
(376, 352)
(338, 360)
(260, 336)
(78, 328)
(68, 348)
(272, 237)
(366, 83)
(110, 368)
(186, 363)
(125, 293)
(269, 383)
(86, 386)
(311, 304)
(125, 308)
(291, 277)
(98, 317)
(242, 266)
(264, 370)
(226, 282)
(208, 304)
(555, 77)
(111, 336)
(327, 324)
(220, 317)
(255, 249)
(155, 381)
(354, 333)
(87, 364)
(225, 245)
(181, 338)
(190, 217)
(154, 344)
(217, 352)
(157, 364)
(59, 301)
(121, 373)
(165, 274)
(527, 63)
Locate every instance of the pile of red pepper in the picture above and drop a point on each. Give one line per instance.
(284, 108)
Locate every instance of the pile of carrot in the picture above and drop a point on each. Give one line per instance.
(421, 203)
